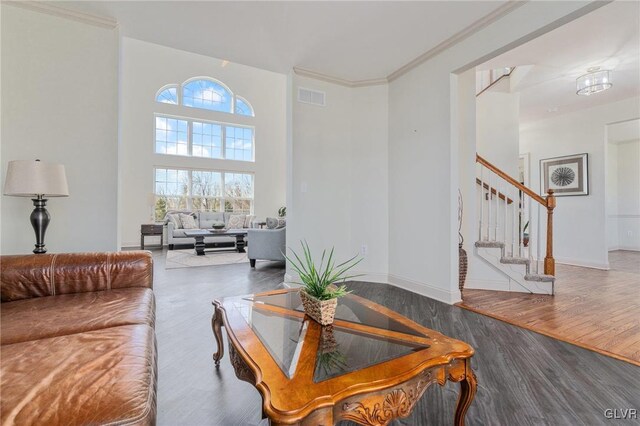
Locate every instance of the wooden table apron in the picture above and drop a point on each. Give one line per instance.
(364, 396)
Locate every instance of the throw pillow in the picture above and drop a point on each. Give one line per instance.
(282, 222)
(173, 218)
(272, 222)
(236, 221)
(248, 220)
(188, 221)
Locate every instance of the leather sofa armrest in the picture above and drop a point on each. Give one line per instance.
(38, 275)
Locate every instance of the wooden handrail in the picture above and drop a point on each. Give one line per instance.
(549, 203)
(511, 180)
(494, 192)
(495, 82)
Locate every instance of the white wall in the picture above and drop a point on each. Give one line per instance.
(611, 180)
(146, 68)
(624, 197)
(498, 129)
(59, 104)
(580, 231)
(424, 138)
(339, 173)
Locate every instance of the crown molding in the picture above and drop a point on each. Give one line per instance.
(461, 35)
(337, 80)
(55, 10)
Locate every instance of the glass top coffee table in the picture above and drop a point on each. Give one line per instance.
(371, 366)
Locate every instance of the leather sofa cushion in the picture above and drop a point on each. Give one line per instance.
(41, 317)
(24, 277)
(97, 377)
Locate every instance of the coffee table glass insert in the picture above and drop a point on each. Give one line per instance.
(351, 308)
(340, 350)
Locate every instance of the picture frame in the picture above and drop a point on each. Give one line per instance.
(566, 176)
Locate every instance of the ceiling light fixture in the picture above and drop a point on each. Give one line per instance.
(594, 81)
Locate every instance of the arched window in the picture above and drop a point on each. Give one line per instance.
(168, 95)
(243, 107)
(208, 135)
(207, 94)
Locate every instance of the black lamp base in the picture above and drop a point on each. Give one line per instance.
(40, 220)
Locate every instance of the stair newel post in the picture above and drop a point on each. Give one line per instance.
(549, 261)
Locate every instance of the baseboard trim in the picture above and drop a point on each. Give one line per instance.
(292, 281)
(424, 289)
(591, 265)
(372, 277)
(623, 248)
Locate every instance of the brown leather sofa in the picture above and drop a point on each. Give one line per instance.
(78, 345)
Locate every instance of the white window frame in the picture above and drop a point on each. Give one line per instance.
(223, 198)
(222, 124)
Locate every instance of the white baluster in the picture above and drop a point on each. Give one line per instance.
(514, 224)
(538, 240)
(529, 250)
(497, 208)
(481, 202)
(489, 220)
(506, 204)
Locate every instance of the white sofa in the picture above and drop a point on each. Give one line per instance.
(204, 220)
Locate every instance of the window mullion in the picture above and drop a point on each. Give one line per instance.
(190, 137)
(223, 196)
(189, 190)
(224, 142)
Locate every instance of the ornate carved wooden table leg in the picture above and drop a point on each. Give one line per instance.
(468, 387)
(216, 326)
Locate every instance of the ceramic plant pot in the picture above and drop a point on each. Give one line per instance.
(321, 311)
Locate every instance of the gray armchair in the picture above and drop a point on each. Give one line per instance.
(266, 244)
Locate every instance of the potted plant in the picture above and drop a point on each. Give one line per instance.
(320, 291)
(282, 211)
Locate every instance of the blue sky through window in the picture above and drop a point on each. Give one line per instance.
(206, 94)
(168, 96)
(243, 107)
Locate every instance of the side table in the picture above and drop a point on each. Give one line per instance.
(151, 230)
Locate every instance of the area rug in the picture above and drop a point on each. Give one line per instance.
(188, 259)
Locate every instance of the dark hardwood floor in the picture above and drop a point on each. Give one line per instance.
(524, 378)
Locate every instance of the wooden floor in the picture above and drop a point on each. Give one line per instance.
(594, 309)
(524, 378)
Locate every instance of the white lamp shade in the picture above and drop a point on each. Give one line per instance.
(32, 178)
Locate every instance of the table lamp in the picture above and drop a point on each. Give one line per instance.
(36, 179)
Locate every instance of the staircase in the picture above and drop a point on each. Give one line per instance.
(509, 230)
(487, 79)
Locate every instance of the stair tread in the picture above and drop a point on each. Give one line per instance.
(515, 260)
(540, 277)
(490, 244)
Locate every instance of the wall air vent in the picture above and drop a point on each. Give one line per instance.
(313, 97)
